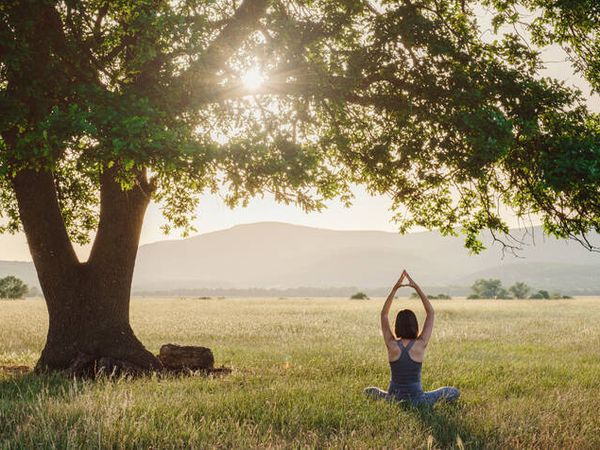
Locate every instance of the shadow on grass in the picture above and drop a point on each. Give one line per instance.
(21, 396)
(446, 424)
(27, 387)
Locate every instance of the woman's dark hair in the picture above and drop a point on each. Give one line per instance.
(407, 326)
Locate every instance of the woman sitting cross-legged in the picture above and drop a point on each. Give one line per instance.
(406, 351)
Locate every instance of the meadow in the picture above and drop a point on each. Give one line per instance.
(529, 373)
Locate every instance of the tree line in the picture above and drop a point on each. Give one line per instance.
(12, 287)
(493, 288)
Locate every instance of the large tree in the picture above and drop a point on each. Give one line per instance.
(107, 105)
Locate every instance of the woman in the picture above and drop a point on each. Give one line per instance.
(406, 352)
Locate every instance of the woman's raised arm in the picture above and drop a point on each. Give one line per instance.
(428, 325)
(388, 336)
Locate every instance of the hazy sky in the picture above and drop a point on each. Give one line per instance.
(367, 213)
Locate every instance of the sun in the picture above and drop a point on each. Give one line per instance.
(253, 79)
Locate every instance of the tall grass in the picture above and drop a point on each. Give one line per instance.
(529, 372)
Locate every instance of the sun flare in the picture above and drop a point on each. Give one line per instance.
(253, 79)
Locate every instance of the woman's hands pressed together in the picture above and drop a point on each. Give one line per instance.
(399, 284)
(409, 281)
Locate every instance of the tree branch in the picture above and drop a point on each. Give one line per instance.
(242, 23)
(121, 218)
(306, 88)
(60, 45)
(201, 74)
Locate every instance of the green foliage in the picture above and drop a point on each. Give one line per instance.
(359, 296)
(573, 24)
(492, 288)
(489, 288)
(12, 287)
(540, 295)
(519, 290)
(404, 98)
(414, 295)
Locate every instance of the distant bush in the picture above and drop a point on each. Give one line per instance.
(489, 288)
(544, 295)
(432, 297)
(12, 287)
(360, 296)
(519, 290)
(473, 297)
(540, 295)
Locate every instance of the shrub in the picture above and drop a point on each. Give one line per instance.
(540, 295)
(489, 288)
(519, 290)
(432, 297)
(360, 296)
(12, 287)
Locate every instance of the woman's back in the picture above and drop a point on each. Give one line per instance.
(405, 370)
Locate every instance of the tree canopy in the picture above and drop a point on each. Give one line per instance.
(12, 287)
(401, 96)
(572, 24)
(489, 288)
(519, 290)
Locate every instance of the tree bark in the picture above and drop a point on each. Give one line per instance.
(88, 303)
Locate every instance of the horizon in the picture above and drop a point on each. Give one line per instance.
(283, 257)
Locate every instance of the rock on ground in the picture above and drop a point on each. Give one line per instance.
(177, 357)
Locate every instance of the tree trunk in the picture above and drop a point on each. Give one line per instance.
(88, 303)
(91, 320)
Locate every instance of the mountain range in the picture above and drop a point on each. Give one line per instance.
(282, 256)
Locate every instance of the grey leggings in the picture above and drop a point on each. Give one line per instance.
(446, 393)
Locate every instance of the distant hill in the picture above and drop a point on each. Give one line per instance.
(278, 255)
(282, 256)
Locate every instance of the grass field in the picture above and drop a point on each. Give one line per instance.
(529, 372)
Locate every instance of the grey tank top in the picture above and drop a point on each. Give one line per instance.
(405, 371)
